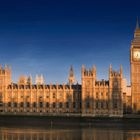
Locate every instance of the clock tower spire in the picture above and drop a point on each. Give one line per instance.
(137, 24)
(137, 29)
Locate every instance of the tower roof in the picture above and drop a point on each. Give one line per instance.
(136, 33)
(71, 74)
(137, 24)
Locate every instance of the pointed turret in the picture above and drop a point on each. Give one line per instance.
(94, 69)
(121, 70)
(41, 79)
(29, 80)
(110, 71)
(36, 79)
(71, 76)
(82, 70)
(110, 68)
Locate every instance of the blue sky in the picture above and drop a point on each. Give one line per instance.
(46, 37)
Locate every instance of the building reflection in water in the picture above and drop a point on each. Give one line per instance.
(68, 134)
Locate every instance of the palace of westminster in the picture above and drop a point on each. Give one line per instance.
(112, 97)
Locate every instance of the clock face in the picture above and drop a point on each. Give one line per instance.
(136, 55)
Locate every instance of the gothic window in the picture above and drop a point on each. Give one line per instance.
(67, 104)
(21, 104)
(40, 99)
(68, 93)
(80, 105)
(54, 95)
(69, 97)
(34, 95)
(74, 105)
(0, 94)
(0, 100)
(101, 93)
(102, 105)
(97, 105)
(47, 95)
(60, 104)
(106, 93)
(97, 95)
(27, 98)
(41, 104)
(1, 104)
(47, 104)
(75, 96)
(106, 104)
(87, 105)
(9, 104)
(28, 104)
(88, 83)
(115, 104)
(34, 104)
(87, 93)
(137, 69)
(87, 97)
(54, 105)
(15, 104)
(115, 83)
(21, 97)
(60, 95)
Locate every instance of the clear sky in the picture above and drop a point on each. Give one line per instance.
(47, 36)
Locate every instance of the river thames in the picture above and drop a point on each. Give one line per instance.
(87, 133)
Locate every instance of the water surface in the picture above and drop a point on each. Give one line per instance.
(89, 133)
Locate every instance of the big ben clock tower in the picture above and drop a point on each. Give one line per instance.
(135, 70)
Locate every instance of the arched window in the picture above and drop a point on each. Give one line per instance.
(21, 104)
(60, 104)
(47, 104)
(15, 104)
(9, 104)
(28, 104)
(40, 104)
(34, 104)
(54, 104)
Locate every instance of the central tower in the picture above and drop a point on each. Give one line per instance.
(135, 70)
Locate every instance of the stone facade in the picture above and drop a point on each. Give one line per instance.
(102, 98)
(25, 97)
(91, 98)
